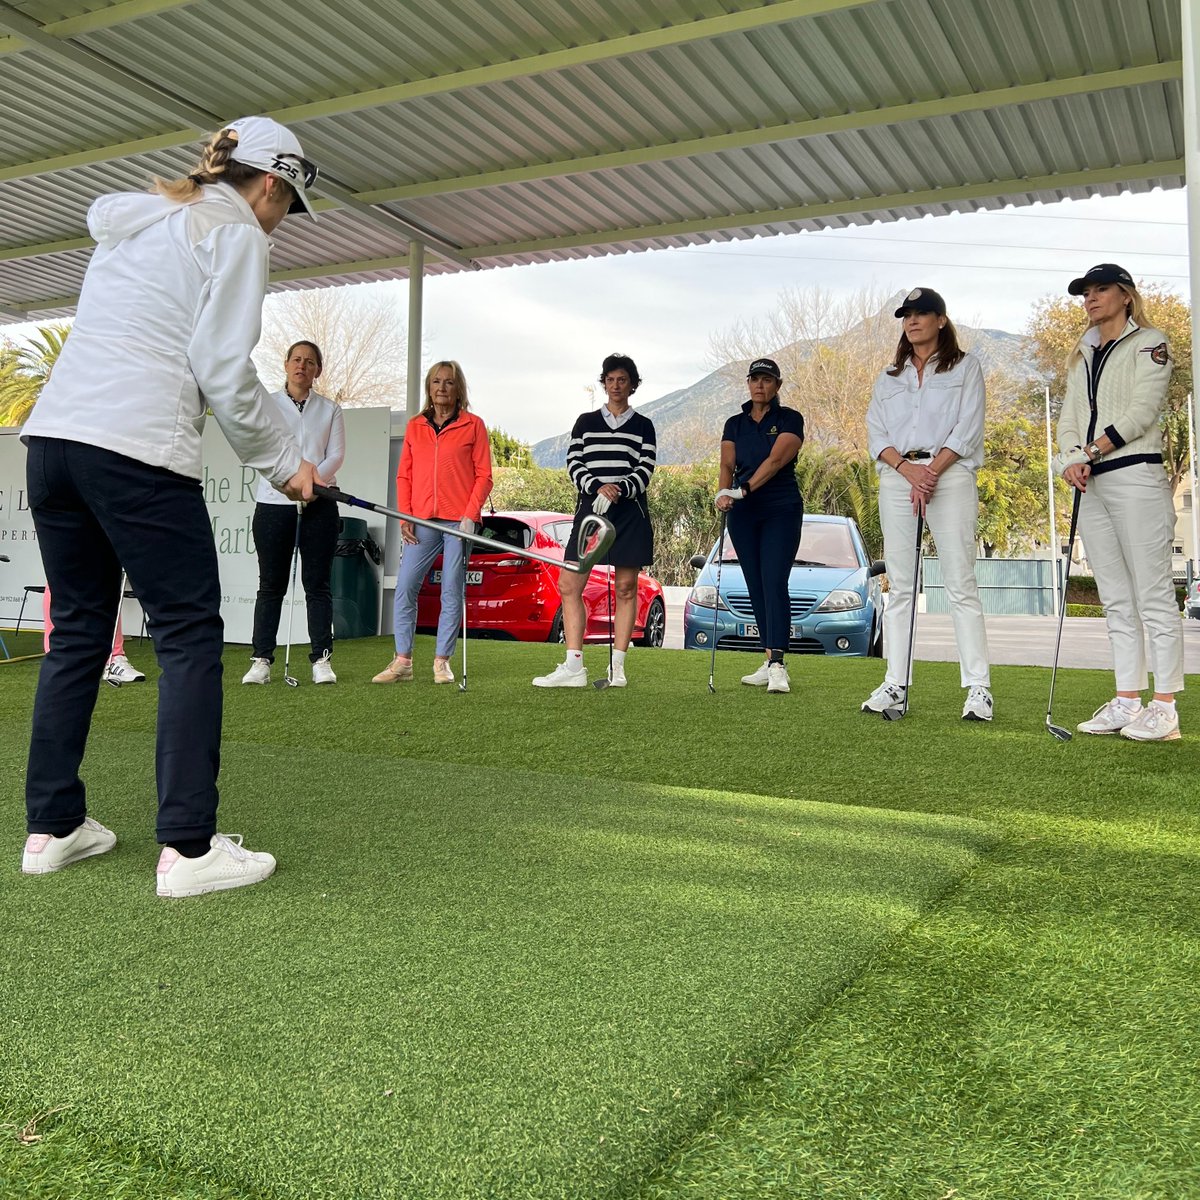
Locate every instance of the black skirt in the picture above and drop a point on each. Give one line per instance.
(634, 545)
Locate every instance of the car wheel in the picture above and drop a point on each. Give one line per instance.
(556, 628)
(655, 630)
(875, 647)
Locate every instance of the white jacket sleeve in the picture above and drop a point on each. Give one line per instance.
(1073, 418)
(226, 331)
(335, 448)
(879, 437)
(966, 438)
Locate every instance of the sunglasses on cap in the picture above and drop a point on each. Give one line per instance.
(295, 168)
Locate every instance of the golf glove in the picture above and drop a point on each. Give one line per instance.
(1075, 457)
(731, 493)
(601, 505)
(466, 525)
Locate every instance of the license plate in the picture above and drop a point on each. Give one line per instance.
(752, 631)
(473, 577)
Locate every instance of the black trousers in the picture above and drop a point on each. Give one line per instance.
(94, 511)
(274, 540)
(766, 540)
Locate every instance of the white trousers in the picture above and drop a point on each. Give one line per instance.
(1127, 522)
(951, 515)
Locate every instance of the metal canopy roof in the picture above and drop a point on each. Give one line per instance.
(515, 131)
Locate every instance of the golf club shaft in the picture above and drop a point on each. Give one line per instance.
(287, 657)
(912, 616)
(1062, 612)
(116, 625)
(466, 552)
(591, 526)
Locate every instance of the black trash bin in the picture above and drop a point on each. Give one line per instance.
(354, 583)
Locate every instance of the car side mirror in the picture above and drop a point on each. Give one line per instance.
(878, 567)
(698, 560)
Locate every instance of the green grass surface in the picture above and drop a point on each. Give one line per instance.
(651, 943)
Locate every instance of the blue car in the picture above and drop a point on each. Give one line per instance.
(836, 601)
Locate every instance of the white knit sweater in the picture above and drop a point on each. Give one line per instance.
(1130, 400)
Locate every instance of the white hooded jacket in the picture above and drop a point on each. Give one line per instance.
(170, 309)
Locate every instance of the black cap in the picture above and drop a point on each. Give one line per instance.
(765, 366)
(1101, 273)
(922, 300)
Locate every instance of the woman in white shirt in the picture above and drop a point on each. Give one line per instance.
(317, 425)
(925, 432)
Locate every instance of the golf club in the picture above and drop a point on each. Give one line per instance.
(462, 683)
(601, 684)
(1057, 731)
(893, 714)
(108, 678)
(592, 527)
(712, 665)
(288, 677)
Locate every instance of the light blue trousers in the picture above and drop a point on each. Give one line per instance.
(414, 566)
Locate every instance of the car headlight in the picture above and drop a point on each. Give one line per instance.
(704, 595)
(841, 600)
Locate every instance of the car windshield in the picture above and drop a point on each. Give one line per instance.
(822, 544)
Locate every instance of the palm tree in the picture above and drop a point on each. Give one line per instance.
(24, 370)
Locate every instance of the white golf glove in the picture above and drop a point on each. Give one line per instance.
(731, 493)
(1075, 457)
(601, 505)
(466, 525)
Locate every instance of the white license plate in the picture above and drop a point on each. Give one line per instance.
(752, 631)
(473, 577)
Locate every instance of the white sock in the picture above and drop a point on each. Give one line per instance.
(1168, 705)
(574, 660)
(619, 659)
(1130, 703)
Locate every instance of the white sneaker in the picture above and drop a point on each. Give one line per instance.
(563, 676)
(45, 853)
(1153, 724)
(441, 671)
(226, 865)
(759, 678)
(260, 671)
(979, 704)
(121, 670)
(1109, 718)
(616, 676)
(886, 696)
(322, 670)
(777, 678)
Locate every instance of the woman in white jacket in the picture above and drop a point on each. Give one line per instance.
(169, 312)
(1110, 450)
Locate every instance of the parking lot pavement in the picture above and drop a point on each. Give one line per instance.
(1012, 641)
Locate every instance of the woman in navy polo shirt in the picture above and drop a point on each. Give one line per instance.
(765, 510)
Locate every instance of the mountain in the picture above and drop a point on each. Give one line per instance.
(688, 421)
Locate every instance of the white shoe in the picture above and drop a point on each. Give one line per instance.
(322, 670)
(563, 676)
(759, 678)
(616, 676)
(121, 670)
(1153, 724)
(260, 671)
(226, 865)
(1109, 718)
(441, 671)
(777, 678)
(45, 853)
(886, 696)
(979, 704)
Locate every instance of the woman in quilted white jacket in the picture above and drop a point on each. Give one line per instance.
(1110, 450)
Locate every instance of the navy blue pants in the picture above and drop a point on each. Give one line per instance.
(275, 543)
(94, 511)
(766, 540)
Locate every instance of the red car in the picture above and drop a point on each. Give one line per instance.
(511, 597)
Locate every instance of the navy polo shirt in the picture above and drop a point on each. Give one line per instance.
(753, 442)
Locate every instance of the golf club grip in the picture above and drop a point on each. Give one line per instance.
(339, 497)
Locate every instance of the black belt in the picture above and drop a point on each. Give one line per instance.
(917, 455)
(1115, 464)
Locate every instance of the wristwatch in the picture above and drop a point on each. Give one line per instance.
(1094, 452)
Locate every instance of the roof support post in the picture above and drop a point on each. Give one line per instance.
(1191, 160)
(416, 300)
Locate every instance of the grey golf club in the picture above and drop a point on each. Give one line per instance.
(116, 625)
(1057, 731)
(288, 677)
(606, 682)
(893, 714)
(592, 527)
(712, 663)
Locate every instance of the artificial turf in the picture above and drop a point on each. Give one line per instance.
(651, 943)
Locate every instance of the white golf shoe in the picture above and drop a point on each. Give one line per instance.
(777, 678)
(884, 697)
(227, 865)
(759, 678)
(979, 704)
(45, 853)
(562, 676)
(441, 671)
(616, 676)
(260, 671)
(1155, 723)
(322, 670)
(121, 670)
(1109, 718)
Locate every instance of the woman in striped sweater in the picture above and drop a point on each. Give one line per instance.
(610, 461)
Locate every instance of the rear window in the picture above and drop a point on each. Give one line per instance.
(507, 530)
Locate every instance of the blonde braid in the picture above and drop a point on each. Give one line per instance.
(216, 165)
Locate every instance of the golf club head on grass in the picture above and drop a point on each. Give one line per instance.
(291, 680)
(1058, 732)
(711, 688)
(892, 714)
(601, 684)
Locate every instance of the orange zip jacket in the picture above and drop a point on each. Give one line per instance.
(445, 475)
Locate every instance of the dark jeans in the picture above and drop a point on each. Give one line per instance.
(94, 511)
(766, 540)
(274, 542)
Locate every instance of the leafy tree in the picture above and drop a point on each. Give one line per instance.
(1013, 515)
(507, 451)
(24, 370)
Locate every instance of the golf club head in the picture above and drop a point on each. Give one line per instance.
(892, 714)
(605, 534)
(112, 682)
(1058, 732)
(712, 690)
(601, 684)
(291, 680)
(462, 685)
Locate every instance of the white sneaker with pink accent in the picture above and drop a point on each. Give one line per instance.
(45, 853)
(227, 865)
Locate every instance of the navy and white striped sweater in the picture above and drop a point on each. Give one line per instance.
(599, 455)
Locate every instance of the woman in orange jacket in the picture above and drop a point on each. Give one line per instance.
(445, 475)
